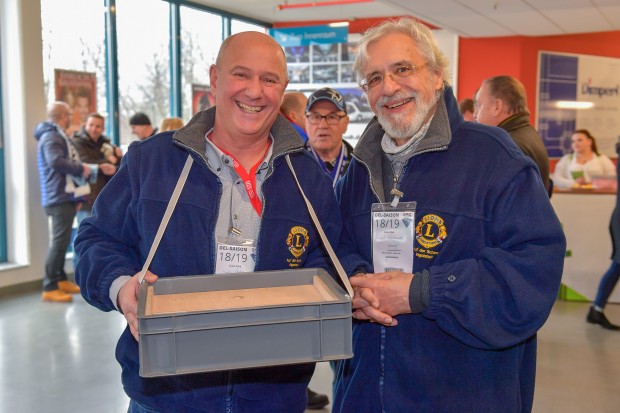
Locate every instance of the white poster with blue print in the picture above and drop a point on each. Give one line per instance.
(578, 92)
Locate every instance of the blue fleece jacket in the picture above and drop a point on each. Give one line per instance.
(54, 164)
(115, 241)
(491, 250)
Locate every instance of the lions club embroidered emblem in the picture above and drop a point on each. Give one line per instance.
(430, 231)
(297, 241)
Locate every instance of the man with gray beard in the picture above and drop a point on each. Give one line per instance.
(463, 251)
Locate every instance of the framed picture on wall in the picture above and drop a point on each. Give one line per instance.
(297, 54)
(324, 53)
(79, 91)
(325, 73)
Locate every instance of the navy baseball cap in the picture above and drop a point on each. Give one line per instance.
(329, 95)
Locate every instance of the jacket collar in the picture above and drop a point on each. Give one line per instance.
(516, 121)
(82, 134)
(438, 137)
(192, 135)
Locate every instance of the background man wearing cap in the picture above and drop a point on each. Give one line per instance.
(141, 126)
(294, 109)
(326, 123)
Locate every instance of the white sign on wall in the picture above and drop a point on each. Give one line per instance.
(578, 92)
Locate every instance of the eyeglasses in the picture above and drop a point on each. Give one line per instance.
(331, 118)
(401, 72)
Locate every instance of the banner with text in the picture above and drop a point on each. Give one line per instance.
(578, 92)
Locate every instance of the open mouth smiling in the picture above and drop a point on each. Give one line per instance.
(398, 104)
(248, 108)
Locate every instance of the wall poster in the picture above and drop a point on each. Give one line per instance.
(79, 91)
(202, 98)
(578, 92)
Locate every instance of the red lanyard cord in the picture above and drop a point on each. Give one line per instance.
(249, 180)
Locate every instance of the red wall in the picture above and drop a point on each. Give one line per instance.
(518, 56)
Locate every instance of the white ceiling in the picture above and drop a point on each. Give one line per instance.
(467, 18)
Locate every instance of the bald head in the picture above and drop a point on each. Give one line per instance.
(248, 80)
(249, 40)
(59, 113)
(294, 101)
(294, 107)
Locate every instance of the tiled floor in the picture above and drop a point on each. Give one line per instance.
(60, 358)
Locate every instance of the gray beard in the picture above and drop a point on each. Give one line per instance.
(397, 128)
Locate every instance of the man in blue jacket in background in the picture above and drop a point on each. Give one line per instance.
(239, 189)
(464, 278)
(63, 181)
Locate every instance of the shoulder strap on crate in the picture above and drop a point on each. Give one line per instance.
(341, 273)
(167, 214)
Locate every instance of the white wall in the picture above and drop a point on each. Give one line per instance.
(24, 106)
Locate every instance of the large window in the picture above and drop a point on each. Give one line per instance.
(74, 45)
(201, 37)
(144, 56)
(143, 61)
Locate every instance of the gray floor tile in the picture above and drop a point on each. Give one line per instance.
(60, 358)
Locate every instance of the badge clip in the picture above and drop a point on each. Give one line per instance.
(235, 231)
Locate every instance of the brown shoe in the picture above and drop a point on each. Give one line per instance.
(56, 296)
(68, 287)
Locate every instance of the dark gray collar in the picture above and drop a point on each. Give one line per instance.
(368, 150)
(192, 135)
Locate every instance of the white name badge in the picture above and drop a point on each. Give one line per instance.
(393, 237)
(235, 258)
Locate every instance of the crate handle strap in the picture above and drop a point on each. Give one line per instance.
(319, 227)
(169, 210)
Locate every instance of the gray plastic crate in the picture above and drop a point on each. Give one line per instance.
(310, 321)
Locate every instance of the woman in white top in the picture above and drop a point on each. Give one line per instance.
(579, 167)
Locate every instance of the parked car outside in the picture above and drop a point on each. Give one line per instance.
(358, 115)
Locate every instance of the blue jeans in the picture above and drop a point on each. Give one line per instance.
(607, 284)
(62, 221)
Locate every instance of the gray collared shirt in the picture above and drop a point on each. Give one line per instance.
(235, 209)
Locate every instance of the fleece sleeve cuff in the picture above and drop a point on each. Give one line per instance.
(419, 292)
(116, 287)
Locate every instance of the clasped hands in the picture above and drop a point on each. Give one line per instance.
(380, 297)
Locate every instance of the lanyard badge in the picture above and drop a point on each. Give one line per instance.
(235, 256)
(393, 235)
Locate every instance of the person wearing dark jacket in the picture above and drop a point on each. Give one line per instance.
(464, 253)
(327, 122)
(94, 148)
(238, 189)
(141, 126)
(62, 176)
(501, 102)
